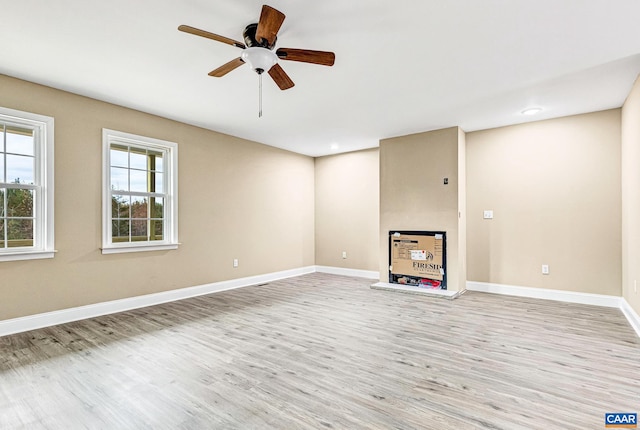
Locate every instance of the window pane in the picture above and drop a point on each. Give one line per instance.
(20, 141)
(19, 232)
(159, 178)
(1, 141)
(19, 203)
(119, 179)
(115, 207)
(20, 169)
(1, 166)
(156, 230)
(120, 231)
(139, 207)
(2, 233)
(1, 203)
(156, 161)
(120, 207)
(119, 156)
(157, 207)
(139, 230)
(138, 180)
(138, 159)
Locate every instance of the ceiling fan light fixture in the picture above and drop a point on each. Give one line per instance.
(259, 59)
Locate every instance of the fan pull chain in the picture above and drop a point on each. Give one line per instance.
(260, 95)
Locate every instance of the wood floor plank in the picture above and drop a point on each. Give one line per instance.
(325, 352)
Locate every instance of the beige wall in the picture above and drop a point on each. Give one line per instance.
(462, 209)
(347, 205)
(631, 198)
(554, 187)
(238, 199)
(413, 196)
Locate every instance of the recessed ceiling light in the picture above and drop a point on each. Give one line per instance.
(334, 146)
(531, 111)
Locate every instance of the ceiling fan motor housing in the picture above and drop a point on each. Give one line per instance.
(249, 35)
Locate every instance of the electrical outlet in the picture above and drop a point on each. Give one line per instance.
(487, 215)
(344, 254)
(545, 269)
(235, 262)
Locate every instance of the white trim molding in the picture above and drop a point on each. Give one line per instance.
(562, 296)
(169, 192)
(632, 316)
(358, 273)
(545, 294)
(48, 319)
(43, 184)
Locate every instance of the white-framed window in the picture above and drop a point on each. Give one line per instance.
(140, 193)
(26, 185)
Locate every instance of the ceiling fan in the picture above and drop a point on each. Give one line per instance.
(259, 42)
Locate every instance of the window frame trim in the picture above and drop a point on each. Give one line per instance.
(170, 170)
(44, 235)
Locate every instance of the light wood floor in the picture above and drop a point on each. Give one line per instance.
(327, 352)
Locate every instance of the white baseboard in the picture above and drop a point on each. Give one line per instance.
(358, 273)
(632, 316)
(541, 293)
(562, 296)
(48, 319)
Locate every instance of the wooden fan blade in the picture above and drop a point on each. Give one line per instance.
(280, 77)
(270, 22)
(212, 36)
(226, 68)
(307, 56)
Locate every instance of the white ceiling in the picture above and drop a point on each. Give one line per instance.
(401, 67)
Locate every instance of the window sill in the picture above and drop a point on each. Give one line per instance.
(138, 248)
(26, 255)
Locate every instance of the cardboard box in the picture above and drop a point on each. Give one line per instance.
(418, 255)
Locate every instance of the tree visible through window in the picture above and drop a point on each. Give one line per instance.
(137, 199)
(16, 213)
